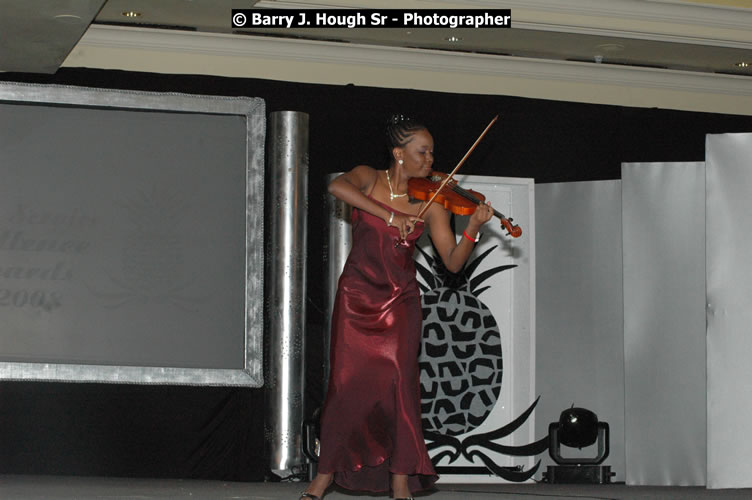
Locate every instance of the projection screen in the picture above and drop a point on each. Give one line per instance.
(131, 236)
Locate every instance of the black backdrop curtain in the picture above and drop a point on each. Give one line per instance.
(218, 433)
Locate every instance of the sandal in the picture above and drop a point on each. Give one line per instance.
(310, 496)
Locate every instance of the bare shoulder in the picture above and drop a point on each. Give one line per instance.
(363, 176)
(365, 171)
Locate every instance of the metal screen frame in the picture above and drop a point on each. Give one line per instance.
(253, 109)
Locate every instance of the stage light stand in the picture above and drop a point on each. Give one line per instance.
(578, 428)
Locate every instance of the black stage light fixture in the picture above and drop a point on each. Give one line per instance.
(578, 428)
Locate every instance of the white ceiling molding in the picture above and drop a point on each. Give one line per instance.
(703, 20)
(700, 15)
(657, 37)
(668, 11)
(307, 51)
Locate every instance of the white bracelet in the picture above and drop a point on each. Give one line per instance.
(391, 218)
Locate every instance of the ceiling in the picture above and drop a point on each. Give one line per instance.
(38, 39)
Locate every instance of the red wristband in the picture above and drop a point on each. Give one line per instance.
(475, 240)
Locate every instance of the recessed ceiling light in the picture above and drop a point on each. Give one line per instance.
(131, 13)
(453, 39)
(610, 47)
(742, 64)
(68, 19)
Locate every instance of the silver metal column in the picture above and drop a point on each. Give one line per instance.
(339, 244)
(286, 289)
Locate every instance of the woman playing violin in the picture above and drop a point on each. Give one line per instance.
(371, 437)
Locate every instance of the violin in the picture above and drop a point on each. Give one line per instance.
(454, 198)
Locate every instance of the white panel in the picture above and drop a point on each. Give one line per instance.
(664, 322)
(729, 295)
(579, 340)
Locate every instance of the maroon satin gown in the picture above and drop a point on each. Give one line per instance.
(371, 421)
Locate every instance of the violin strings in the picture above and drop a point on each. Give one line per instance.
(467, 194)
(470, 196)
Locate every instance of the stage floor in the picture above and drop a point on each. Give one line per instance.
(84, 488)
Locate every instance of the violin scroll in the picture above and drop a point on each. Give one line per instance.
(514, 231)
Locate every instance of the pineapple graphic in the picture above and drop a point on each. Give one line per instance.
(461, 358)
(461, 371)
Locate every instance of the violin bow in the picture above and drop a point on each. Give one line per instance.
(449, 177)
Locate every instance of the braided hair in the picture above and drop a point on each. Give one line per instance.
(399, 131)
